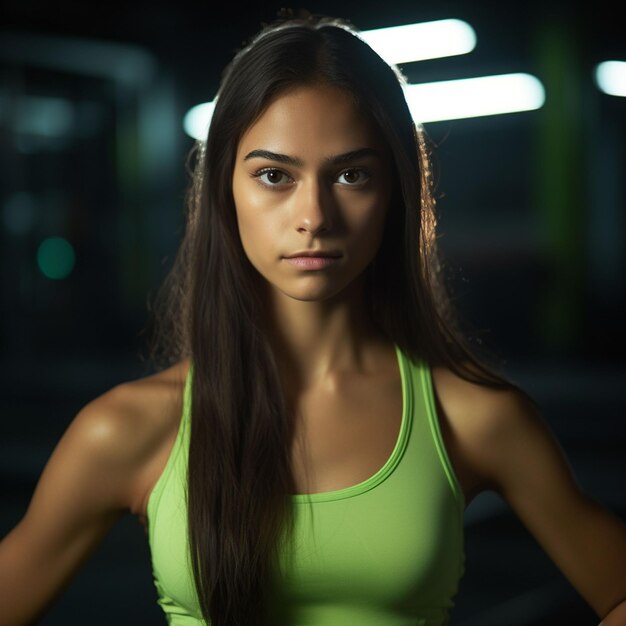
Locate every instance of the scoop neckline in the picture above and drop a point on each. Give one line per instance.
(390, 464)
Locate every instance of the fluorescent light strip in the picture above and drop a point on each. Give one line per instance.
(396, 44)
(439, 101)
(474, 97)
(611, 77)
(418, 42)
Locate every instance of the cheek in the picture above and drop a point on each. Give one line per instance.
(246, 210)
(257, 227)
(367, 226)
(251, 238)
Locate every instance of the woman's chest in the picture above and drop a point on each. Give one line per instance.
(344, 435)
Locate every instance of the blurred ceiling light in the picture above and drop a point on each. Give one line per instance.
(418, 42)
(439, 101)
(474, 97)
(197, 119)
(611, 77)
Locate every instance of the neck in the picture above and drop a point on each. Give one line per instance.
(317, 342)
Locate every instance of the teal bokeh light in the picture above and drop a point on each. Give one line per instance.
(56, 258)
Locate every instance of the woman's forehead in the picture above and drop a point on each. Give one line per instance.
(311, 118)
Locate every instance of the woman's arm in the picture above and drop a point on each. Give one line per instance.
(87, 484)
(586, 541)
(617, 617)
(502, 437)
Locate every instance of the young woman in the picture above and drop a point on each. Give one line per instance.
(307, 455)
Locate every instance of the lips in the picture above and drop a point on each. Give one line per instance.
(333, 254)
(313, 259)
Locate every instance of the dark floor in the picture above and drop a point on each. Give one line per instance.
(508, 581)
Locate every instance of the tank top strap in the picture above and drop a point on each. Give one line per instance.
(422, 372)
(176, 465)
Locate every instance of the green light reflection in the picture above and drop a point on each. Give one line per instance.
(56, 258)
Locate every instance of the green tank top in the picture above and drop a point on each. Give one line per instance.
(385, 552)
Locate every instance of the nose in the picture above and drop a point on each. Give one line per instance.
(314, 208)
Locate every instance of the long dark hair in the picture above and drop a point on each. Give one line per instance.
(239, 472)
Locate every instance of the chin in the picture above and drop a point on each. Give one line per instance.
(313, 294)
(310, 288)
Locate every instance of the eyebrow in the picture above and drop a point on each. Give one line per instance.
(338, 159)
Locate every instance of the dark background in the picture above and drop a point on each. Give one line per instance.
(532, 227)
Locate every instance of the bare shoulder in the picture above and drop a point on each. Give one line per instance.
(485, 427)
(128, 425)
(481, 411)
(133, 416)
(138, 409)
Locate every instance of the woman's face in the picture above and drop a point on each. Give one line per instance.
(311, 177)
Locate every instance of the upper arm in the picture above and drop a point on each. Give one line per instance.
(501, 442)
(518, 454)
(83, 490)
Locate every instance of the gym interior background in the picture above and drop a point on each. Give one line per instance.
(92, 188)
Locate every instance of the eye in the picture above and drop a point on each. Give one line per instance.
(271, 177)
(353, 176)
